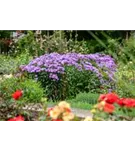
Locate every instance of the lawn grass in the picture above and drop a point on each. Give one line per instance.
(80, 105)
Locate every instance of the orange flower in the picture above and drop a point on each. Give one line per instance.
(109, 108)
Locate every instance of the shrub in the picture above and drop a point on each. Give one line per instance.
(90, 98)
(31, 89)
(68, 74)
(24, 44)
(125, 80)
(83, 81)
(125, 75)
(9, 65)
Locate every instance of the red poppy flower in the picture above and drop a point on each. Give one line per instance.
(18, 118)
(120, 102)
(109, 98)
(17, 94)
(109, 108)
(128, 102)
(57, 120)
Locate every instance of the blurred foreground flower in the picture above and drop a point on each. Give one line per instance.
(61, 112)
(18, 118)
(88, 119)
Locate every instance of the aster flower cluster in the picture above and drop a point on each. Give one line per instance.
(55, 63)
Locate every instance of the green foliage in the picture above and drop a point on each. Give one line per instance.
(81, 81)
(70, 84)
(125, 76)
(40, 42)
(7, 65)
(25, 44)
(125, 80)
(5, 33)
(54, 90)
(23, 58)
(32, 90)
(128, 51)
(90, 98)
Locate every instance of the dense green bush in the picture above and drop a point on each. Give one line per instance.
(5, 33)
(32, 91)
(54, 90)
(70, 84)
(84, 97)
(7, 65)
(85, 81)
(125, 80)
(25, 44)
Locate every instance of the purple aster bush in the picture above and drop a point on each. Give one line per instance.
(59, 69)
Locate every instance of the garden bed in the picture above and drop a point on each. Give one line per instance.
(81, 113)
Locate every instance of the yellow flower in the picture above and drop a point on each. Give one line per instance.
(93, 111)
(64, 105)
(55, 112)
(88, 119)
(68, 116)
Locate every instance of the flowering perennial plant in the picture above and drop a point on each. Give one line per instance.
(55, 63)
(65, 75)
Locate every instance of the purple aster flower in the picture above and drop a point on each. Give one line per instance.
(55, 64)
